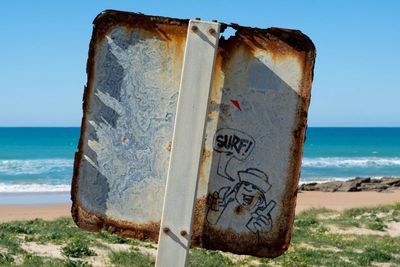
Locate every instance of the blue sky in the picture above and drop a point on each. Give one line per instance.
(44, 45)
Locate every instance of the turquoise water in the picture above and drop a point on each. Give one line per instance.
(41, 159)
(37, 159)
(342, 153)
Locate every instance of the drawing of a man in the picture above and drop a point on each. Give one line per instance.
(244, 204)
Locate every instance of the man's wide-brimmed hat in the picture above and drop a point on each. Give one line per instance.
(256, 177)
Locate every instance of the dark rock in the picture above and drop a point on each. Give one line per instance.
(329, 186)
(308, 187)
(375, 181)
(391, 181)
(384, 184)
(374, 187)
(350, 186)
(360, 180)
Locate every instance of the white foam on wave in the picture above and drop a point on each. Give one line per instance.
(332, 179)
(341, 162)
(33, 188)
(33, 166)
(323, 179)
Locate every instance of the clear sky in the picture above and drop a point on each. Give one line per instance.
(44, 45)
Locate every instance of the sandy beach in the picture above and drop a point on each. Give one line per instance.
(344, 200)
(28, 212)
(306, 200)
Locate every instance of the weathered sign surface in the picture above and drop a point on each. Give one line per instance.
(255, 131)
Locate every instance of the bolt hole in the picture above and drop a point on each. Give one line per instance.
(195, 28)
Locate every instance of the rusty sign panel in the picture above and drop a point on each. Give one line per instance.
(255, 131)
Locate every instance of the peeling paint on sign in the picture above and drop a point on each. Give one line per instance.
(255, 132)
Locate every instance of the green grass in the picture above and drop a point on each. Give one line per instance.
(76, 263)
(208, 258)
(30, 260)
(113, 238)
(368, 217)
(57, 232)
(78, 248)
(313, 243)
(131, 258)
(6, 259)
(10, 242)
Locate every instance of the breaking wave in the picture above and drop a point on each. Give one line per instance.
(33, 188)
(341, 162)
(34, 166)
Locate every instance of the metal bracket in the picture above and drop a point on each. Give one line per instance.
(188, 138)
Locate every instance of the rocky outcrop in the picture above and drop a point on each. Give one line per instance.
(355, 185)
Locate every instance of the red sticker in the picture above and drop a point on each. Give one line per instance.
(236, 104)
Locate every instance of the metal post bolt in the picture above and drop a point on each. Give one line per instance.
(195, 28)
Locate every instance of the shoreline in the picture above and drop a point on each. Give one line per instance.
(305, 200)
(355, 184)
(34, 198)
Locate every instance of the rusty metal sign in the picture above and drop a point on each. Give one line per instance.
(254, 135)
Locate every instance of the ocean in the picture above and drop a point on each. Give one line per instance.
(38, 160)
(344, 153)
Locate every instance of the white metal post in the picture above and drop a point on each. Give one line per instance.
(198, 64)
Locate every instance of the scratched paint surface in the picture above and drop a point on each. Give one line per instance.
(129, 127)
(254, 134)
(251, 144)
(255, 101)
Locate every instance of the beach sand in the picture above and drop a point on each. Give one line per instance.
(28, 212)
(305, 200)
(344, 200)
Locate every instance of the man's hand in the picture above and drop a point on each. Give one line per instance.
(262, 223)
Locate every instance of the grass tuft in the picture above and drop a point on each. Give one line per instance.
(208, 258)
(113, 238)
(76, 263)
(131, 258)
(6, 259)
(77, 248)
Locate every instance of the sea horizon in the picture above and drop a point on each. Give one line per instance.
(36, 160)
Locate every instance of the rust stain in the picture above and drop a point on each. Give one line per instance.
(204, 160)
(238, 210)
(241, 243)
(286, 218)
(211, 237)
(96, 222)
(278, 42)
(124, 139)
(163, 26)
(149, 232)
(212, 115)
(205, 155)
(203, 235)
(199, 222)
(169, 146)
(217, 79)
(225, 109)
